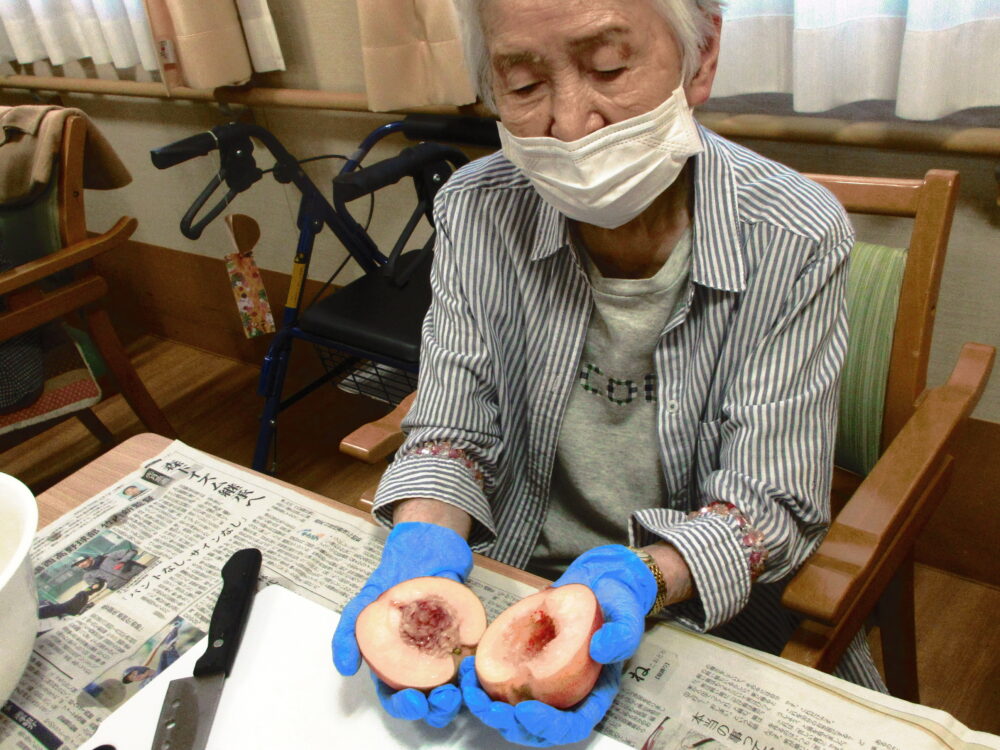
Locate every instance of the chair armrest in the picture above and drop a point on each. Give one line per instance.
(893, 502)
(374, 441)
(71, 255)
(52, 305)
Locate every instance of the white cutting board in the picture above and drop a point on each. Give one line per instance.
(284, 692)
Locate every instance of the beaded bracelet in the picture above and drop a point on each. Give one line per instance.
(752, 538)
(444, 449)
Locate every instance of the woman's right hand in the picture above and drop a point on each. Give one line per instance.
(412, 550)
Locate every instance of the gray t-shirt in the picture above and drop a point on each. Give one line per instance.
(608, 459)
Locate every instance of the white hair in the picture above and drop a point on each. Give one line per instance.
(690, 20)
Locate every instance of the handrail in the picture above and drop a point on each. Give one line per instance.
(253, 97)
(896, 136)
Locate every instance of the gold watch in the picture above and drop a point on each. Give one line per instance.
(662, 595)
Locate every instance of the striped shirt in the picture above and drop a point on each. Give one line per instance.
(747, 376)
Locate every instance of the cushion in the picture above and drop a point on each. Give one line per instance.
(27, 232)
(874, 280)
(69, 383)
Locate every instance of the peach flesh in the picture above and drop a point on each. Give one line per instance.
(416, 633)
(539, 648)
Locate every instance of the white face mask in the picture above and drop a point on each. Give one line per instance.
(611, 176)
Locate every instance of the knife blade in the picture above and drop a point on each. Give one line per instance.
(189, 707)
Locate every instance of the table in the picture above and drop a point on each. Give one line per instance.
(124, 459)
(129, 455)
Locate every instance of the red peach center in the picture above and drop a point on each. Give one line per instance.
(529, 635)
(429, 625)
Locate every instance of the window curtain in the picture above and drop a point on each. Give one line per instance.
(207, 34)
(932, 57)
(61, 31)
(412, 54)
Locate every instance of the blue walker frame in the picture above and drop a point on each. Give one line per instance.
(239, 171)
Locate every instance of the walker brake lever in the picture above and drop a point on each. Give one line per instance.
(193, 231)
(237, 169)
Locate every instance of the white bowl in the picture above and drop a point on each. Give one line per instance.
(18, 600)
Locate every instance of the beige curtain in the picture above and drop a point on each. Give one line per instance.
(412, 54)
(208, 43)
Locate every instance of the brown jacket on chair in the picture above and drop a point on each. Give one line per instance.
(30, 139)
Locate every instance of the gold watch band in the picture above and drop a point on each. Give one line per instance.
(662, 595)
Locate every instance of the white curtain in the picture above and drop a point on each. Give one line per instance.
(112, 31)
(932, 57)
(60, 31)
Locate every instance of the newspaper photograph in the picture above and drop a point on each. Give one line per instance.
(127, 582)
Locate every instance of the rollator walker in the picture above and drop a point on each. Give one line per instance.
(366, 333)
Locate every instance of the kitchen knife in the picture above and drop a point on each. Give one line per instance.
(189, 707)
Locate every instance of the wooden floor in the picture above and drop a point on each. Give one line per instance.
(212, 403)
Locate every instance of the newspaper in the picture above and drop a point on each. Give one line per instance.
(127, 582)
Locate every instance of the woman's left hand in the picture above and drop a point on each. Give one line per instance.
(538, 724)
(625, 588)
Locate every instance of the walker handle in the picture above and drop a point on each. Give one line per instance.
(184, 149)
(409, 162)
(469, 131)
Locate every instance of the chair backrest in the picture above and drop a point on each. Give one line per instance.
(72, 216)
(889, 345)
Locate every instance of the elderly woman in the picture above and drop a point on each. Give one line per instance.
(636, 336)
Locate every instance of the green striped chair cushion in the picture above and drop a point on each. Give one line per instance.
(30, 231)
(873, 284)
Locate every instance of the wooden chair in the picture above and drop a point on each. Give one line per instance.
(901, 467)
(32, 299)
(894, 452)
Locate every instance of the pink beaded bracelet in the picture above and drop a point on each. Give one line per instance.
(752, 538)
(444, 449)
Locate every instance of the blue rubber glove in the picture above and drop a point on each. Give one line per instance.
(625, 589)
(437, 709)
(538, 724)
(411, 550)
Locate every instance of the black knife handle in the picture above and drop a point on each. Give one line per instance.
(229, 618)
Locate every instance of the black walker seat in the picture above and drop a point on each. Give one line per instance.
(367, 333)
(374, 317)
(388, 327)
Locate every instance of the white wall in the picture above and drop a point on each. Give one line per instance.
(159, 198)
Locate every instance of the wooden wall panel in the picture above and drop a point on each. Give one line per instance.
(187, 298)
(963, 536)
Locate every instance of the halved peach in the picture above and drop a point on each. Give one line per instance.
(416, 633)
(539, 648)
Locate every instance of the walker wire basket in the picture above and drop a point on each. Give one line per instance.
(367, 378)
